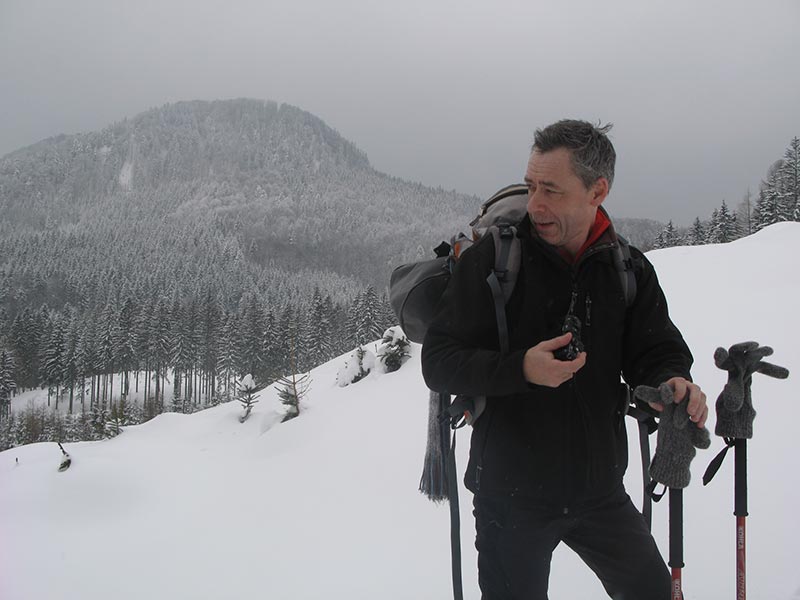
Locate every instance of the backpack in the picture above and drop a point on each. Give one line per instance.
(414, 293)
(415, 288)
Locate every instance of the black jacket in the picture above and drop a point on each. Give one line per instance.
(566, 445)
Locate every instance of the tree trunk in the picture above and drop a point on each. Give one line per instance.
(158, 381)
(146, 382)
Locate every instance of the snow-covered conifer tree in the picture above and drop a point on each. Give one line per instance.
(358, 364)
(7, 428)
(251, 335)
(247, 396)
(767, 211)
(71, 353)
(292, 390)
(697, 233)
(723, 228)
(98, 419)
(125, 356)
(371, 326)
(320, 343)
(790, 180)
(669, 237)
(228, 360)
(209, 339)
(53, 356)
(394, 349)
(7, 383)
(387, 317)
(354, 333)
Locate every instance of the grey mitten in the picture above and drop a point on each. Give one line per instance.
(677, 437)
(735, 412)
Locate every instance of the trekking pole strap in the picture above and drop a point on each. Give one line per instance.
(644, 451)
(717, 461)
(646, 424)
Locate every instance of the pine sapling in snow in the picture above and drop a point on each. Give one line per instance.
(116, 419)
(247, 396)
(98, 419)
(393, 351)
(293, 389)
(358, 365)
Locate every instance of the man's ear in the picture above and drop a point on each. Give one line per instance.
(599, 191)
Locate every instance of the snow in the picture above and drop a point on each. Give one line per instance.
(351, 367)
(393, 335)
(126, 175)
(246, 382)
(325, 506)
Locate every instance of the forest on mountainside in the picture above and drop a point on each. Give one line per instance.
(201, 239)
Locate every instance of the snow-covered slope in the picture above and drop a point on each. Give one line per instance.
(325, 505)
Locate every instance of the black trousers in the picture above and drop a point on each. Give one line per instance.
(516, 539)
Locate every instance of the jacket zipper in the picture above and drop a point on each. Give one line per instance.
(566, 411)
(588, 320)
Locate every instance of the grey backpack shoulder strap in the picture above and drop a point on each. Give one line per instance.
(625, 267)
(503, 278)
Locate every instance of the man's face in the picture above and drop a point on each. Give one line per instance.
(561, 209)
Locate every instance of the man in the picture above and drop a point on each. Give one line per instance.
(548, 455)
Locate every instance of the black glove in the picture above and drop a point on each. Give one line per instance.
(678, 437)
(735, 412)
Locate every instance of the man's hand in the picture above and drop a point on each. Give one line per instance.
(541, 367)
(697, 408)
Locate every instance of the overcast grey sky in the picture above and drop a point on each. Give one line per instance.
(704, 95)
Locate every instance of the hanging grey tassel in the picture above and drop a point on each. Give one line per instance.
(434, 473)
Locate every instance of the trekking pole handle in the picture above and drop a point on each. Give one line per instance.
(676, 541)
(676, 528)
(740, 478)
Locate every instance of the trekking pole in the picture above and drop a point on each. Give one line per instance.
(439, 480)
(735, 414)
(740, 510)
(455, 523)
(676, 541)
(678, 439)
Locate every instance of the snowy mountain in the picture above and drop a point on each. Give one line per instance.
(325, 506)
(278, 185)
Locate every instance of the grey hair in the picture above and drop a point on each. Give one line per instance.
(591, 151)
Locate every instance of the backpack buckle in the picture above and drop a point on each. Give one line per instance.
(505, 230)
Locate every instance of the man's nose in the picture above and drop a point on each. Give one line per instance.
(534, 202)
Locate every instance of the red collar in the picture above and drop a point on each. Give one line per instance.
(601, 223)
